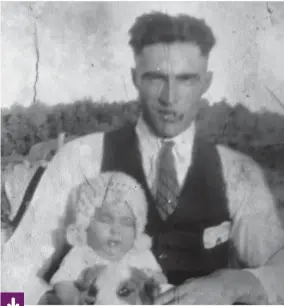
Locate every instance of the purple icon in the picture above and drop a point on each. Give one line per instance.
(12, 299)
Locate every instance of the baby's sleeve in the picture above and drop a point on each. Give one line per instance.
(145, 260)
(71, 267)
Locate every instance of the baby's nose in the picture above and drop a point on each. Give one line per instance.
(114, 230)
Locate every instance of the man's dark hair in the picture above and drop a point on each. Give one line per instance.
(158, 27)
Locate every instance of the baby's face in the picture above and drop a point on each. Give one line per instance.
(112, 230)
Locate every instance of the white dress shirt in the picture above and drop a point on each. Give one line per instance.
(256, 231)
(150, 147)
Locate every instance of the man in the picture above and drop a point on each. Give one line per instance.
(213, 220)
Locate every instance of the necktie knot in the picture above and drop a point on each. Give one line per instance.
(168, 144)
(167, 148)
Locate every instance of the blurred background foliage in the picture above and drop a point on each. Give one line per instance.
(29, 132)
(260, 135)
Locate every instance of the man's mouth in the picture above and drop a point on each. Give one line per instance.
(170, 116)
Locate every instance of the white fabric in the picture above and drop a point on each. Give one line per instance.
(77, 260)
(16, 181)
(257, 232)
(80, 258)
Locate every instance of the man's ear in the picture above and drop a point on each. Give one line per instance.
(133, 76)
(207, 81)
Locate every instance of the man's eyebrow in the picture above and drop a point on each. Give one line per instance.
(154, 74)
(187, 76)
(180, 76)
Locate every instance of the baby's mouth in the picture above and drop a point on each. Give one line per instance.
(113, 243)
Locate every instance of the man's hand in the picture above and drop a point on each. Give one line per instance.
(221, 287)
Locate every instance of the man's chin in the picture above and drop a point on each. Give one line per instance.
(167, 131)
(164, 129)
(171, 129)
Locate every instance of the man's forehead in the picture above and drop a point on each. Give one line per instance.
(178, 57)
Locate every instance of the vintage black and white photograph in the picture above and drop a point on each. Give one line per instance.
(142, 153)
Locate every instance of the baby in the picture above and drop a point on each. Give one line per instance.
(110, 219)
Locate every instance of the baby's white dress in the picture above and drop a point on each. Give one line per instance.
(82, 257)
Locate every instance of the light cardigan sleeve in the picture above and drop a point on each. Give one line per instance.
(147, 262)
(257, 229)
(27, 254)
(71, 267)
(75, 262)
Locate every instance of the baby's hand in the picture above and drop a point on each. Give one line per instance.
(86, 285)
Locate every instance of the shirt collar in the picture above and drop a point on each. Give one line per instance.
(183, 142)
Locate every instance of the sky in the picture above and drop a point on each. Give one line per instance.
(83, 50)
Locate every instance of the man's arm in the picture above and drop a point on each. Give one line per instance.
(257, 231)
(33, 243)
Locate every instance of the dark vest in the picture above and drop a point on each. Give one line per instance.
(178, 241)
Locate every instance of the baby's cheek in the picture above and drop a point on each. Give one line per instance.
(96, 235)
(128, 237)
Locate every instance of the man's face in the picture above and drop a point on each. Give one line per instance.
(170, 79)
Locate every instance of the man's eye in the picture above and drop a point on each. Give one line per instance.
(155, 80)
(125, 291)
(189, 80)
(153, 76)
(156, 77)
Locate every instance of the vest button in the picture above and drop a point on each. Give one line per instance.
(163, 256)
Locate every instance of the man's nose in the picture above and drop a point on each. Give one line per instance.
(168, 94)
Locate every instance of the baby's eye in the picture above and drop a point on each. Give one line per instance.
(104, 218)
(128, 221)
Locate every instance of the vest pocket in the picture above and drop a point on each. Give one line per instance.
(182, 254)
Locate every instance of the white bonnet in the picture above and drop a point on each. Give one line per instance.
(108, 186)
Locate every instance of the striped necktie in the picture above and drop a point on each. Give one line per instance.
(167, 183)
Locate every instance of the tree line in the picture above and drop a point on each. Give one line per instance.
(22, 127)
(237, 126)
